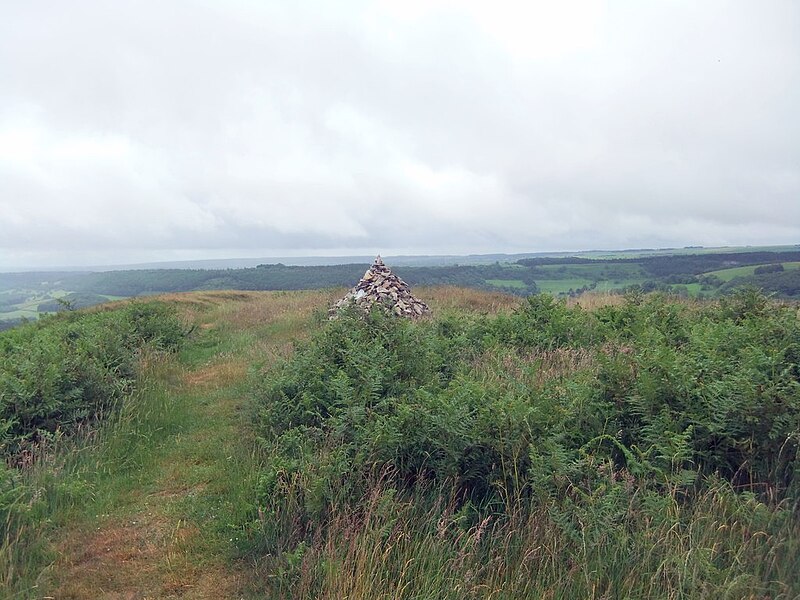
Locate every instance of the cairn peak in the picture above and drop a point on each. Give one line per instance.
(380, 286)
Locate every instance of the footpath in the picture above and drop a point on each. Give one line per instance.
(167, 515)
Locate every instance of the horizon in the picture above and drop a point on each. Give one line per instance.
(357, 258)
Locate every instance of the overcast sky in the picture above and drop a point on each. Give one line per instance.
(141, 131)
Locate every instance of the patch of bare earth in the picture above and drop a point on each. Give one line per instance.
(140, 558)
(216, 373)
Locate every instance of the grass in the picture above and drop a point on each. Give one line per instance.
(92, 476)
(509, 283)
(561, 286)
(449, 298)
(599, 269)
(734, 272)
(372, 493)
(153, 501)
(412, 548)
(29, 308)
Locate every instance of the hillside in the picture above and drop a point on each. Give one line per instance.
(607, 447)
(688, 272)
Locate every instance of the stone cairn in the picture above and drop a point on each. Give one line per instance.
(380, 285)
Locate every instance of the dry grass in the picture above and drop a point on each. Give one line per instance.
(450, 297)
(270, 307)
(410, 548)
(592, 301)
(118, 557)
(533, 368)
(224, 372)
(144, 556)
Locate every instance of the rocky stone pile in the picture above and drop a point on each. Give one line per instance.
(380, 285)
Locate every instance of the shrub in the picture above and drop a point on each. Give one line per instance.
(664, 391)
(64, 370)
(630, 451)
(763, 269)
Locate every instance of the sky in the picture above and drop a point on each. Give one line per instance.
(138, 131)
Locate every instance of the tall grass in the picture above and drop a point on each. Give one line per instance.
(422, 545)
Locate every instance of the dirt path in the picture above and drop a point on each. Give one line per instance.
(148, 547)
(170, 531)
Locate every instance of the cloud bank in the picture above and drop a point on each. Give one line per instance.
(135, 131)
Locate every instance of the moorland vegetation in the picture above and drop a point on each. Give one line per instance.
(61, 377)
(607, 446)
(644, 449)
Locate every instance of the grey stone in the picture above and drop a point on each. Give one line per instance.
(379, 285)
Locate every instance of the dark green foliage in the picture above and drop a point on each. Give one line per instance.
(783, 284)
(631, 451)
(10, 323)
(546, 323)
(713, 390)
(282, 277)
(65, 370)
(8, 299)
(656, 394)
(682, 264)
(72, 301)
(56, 375)
(763, 269)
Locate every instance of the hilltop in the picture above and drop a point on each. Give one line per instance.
(602, 446)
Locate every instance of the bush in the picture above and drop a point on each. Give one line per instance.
(64, 370)
(763, 269)
(597, 429)
(660, 388)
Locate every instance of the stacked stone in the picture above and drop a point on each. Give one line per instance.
(380, 285)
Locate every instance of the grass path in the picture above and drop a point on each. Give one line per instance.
(151, 504)
(162, 522)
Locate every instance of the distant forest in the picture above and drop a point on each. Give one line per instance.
(656, 271)
(24, 295)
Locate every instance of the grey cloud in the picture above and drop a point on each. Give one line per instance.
(137, 128)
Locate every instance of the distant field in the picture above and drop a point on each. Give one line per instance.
(600, 254)
(561, 286)
(509, 283)
(693, 289)
(30, 307)
(598, 269)
(733, 273)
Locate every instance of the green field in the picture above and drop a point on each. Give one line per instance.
(30, 307)
(599, 270)
(561, 286)
(508, 283)
(732, 273)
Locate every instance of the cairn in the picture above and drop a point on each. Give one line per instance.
(379, 285)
